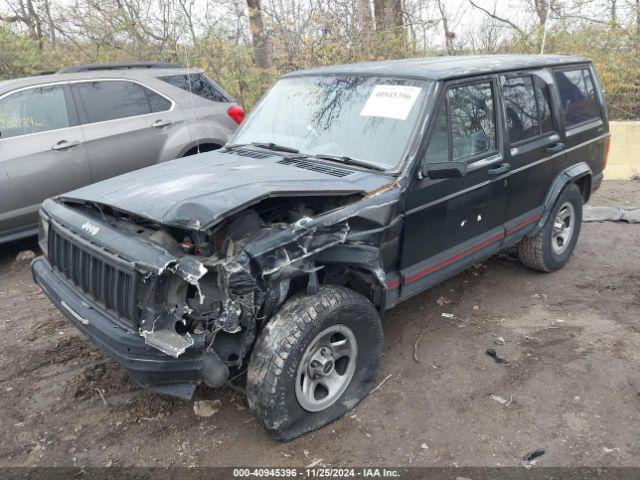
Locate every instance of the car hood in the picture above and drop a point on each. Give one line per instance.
(198, 191)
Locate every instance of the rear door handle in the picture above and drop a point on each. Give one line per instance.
(555, 148)
(161, 123)
(502, 168)
(65, 145)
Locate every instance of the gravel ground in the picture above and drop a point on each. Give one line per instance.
(571, 385)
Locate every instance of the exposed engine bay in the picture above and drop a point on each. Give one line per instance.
(221, 285)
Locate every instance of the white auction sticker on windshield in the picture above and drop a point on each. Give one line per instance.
(390, 101)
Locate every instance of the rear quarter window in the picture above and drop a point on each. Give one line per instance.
(577, 96)
(198, 84)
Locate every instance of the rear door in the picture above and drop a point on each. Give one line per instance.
(452, 222)
(584, 115)
(42, 153)
(125, 124)
(536, 149)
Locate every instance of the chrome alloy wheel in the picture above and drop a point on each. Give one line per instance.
(563, 227)
(326, 368)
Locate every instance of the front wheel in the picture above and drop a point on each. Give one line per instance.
(551, 248)
(314, 361)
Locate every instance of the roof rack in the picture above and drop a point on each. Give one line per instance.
(116, 66)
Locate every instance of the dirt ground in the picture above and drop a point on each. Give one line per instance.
(571, 384)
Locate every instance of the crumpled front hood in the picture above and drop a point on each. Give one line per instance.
(198, 191)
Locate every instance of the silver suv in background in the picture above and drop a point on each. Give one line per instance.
(87, 123)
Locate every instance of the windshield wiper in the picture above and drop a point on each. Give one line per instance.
(275, 146)
(322, 156)
(347, 160)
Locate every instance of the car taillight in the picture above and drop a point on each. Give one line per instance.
(237, 113)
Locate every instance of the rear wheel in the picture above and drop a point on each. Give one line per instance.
(552, 247)
(314, 361)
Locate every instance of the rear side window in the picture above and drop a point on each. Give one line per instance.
(464, 126)
(577, 96)
(109, 100)
(527, 108)
(32, 111)
(198, 84)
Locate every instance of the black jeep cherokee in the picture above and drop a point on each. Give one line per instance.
(346, 191)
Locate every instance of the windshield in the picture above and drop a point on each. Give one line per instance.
(365, 118)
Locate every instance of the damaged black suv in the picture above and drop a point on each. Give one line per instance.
(347, 190)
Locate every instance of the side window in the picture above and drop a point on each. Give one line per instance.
(198, 84)
(157, 102)
(109, 100)
(31, 111)
(527, 109)
(468, 129)
(472, 122)
(577, 96)
(521, 108)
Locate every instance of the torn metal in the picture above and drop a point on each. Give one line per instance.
(213, 267)
(247, 277)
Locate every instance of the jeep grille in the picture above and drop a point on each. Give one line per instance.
(107, 280)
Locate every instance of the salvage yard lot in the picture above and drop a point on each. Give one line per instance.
(571, 384)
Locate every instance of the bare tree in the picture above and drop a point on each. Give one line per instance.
(364, 17)
(24, 11)
(256, 24)
(50, 22)
(187, 7)
(388, 15)
(448, 34)
(500, 19)
(541, 7)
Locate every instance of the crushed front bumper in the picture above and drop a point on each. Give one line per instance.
(147, 366)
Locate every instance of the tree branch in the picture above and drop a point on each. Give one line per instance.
(500, 19)
(13, 19)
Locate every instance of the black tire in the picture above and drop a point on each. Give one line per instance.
(537, 252)
(273, 367)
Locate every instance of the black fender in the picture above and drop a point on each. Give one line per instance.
(366, 258)
(568, 175)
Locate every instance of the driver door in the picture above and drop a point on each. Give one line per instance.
(450, 223)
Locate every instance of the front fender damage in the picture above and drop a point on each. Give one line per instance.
(223, 296)
(159, 327)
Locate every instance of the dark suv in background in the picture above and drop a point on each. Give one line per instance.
(347, 190)
(86, 123)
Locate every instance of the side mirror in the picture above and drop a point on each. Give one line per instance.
(440, 170)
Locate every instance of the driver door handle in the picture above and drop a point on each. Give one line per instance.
(161, 123)
(65, 145)
(500, 169)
